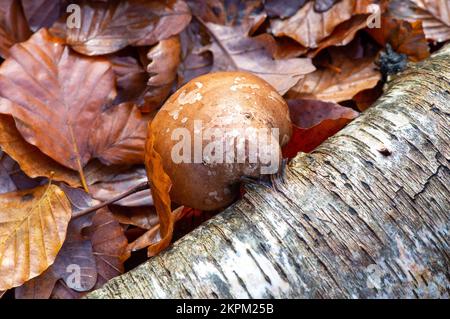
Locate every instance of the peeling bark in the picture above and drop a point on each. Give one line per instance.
(366, 215)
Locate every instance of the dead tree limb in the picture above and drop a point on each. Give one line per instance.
(365, 215)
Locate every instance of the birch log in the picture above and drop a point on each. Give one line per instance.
(366, 215)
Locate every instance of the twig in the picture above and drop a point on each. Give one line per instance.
(137, 188)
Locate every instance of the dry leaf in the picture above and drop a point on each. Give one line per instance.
(229, 12)
(195, 59)
(13, 25)
(121, 182)
(43, 13)
(342, 35)
(119, 135)
(234, 50)
(314, 122)
(282, 8)
(309, 27)
(33, 225)
(160, 188)
(434, 15)
(65, 95)
(111, 26)
(163, 61)
(340, 81)
(75, 251)
(66, 98)
(130, 76)
(404, 37)
(109, 244)
(144, 217)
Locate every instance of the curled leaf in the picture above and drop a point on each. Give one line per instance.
(338, 81)
(160, 188)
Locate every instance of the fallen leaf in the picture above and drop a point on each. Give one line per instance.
(314, 122)
(6, 183)
(164, 59)
(111, 26)
(403, 36)
(119, 135)
(367, 98)
(434, 15)
(64, 96)
(109, 244)
(195, 59)
(234, 50)
(76, 255)
(130, 76)
(229, 12)
(121, 182)
(342, 35)
(13, 25)
(342, 79)
(324, 5)
(281, 48)
(309, 27)
(43, 13)
(33, 225)
(31, 160)
(144, 217)
(160, 189)
(282, 8)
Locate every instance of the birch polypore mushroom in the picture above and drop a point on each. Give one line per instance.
(217, 129)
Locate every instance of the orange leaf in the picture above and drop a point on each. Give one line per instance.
(403, 36)
(314, 122)
(33, 225)
(160, 188)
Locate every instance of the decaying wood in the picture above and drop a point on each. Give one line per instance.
(365, 215)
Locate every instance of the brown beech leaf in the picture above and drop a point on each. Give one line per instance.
(282, 8)
(119, 183)
(403, 36)
(160, 189)
(31, 160)
(33, 225)
(235, 50)
(119, 136)
(13, 177)
(343, 34)
(55, 96)
(281, 48)
(229, 12)
(77, 251)
(13, 25)
(109, 245)
(309, 27)
(130, 76)
(36, 164)
(164, 59)
(434, 15)
(142, 217)
(43, 13)
(195, 59)
(367, 98)
(6, 183)
(108, 27)
(314, 122)
(339, 81)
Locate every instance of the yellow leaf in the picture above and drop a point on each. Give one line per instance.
(33, 225)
